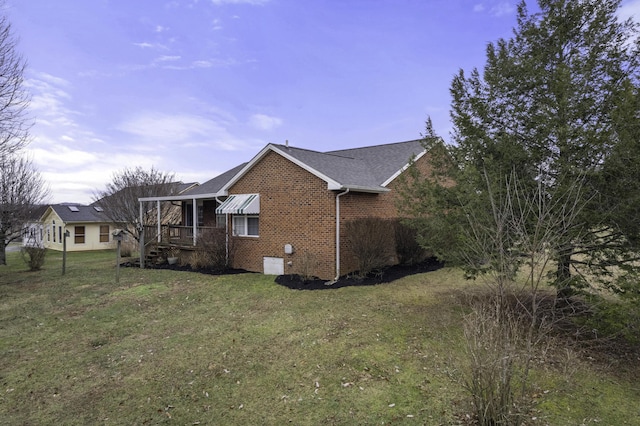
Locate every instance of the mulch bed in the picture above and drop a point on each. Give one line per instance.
(391, 273)
(296, 282)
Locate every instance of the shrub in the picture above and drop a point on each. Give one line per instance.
(305, 265)
(211, 250)
(371, 242)
(33, 257)
(408, 250)
(127, 248)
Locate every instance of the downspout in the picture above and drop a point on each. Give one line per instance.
(338, 236)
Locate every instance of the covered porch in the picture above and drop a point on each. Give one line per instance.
(179, 221)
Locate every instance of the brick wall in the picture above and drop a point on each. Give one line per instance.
(296, 208)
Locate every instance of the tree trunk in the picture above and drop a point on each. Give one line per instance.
(563, 274)
(3, 250)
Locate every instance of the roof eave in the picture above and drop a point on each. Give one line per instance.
(183, 197)
(405, 167)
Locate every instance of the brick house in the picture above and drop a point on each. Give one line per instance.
(288, 205)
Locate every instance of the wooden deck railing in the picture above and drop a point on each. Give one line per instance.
(173, 234)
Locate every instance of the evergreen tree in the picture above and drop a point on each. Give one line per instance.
(555, 110)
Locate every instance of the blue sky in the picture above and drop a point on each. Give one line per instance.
(195, 87)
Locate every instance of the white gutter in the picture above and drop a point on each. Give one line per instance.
(338, 236)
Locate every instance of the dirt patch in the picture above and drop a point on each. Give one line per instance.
(392, 273)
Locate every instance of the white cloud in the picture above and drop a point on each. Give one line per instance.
(146, 45)
(72, 159)
(496, 7)
(167, 58)
(503, 8)
(180, 130)
(265, 122)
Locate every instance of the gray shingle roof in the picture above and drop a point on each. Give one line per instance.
(383, 161)
(214, 185)
(366, 167)
(83, 214)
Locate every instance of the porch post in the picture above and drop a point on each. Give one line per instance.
(141, 235)
(195, 221)
(158, 215)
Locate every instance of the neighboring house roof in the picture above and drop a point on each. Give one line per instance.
(366, 169)
(209, 189)
(35, 212)
(183, 187)
(70, 213)
(176, 187)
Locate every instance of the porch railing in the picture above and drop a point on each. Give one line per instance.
(173, 234)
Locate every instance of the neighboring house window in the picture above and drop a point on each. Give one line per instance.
(60, 233)
(54, 232)
(244, 225)
(79, 235)
(48, 234)
(104, 233)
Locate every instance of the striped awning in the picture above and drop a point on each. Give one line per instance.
(240, 204)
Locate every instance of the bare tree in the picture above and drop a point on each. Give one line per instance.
(119, 200)
(510, 247)
(14, 100)
(21, 190)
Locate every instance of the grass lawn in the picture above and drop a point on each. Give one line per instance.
(184, 348)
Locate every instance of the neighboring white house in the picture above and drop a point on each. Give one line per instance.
(88, 227)
(33, 231)
(32, 235)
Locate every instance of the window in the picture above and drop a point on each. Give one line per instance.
(54, 233)
(104, 233)
(60, 233)
(221, 221)
(79, 235)
(200, 212)
(244, 225)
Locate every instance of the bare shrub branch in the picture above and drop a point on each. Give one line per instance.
(372, 243)
(510, 249)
